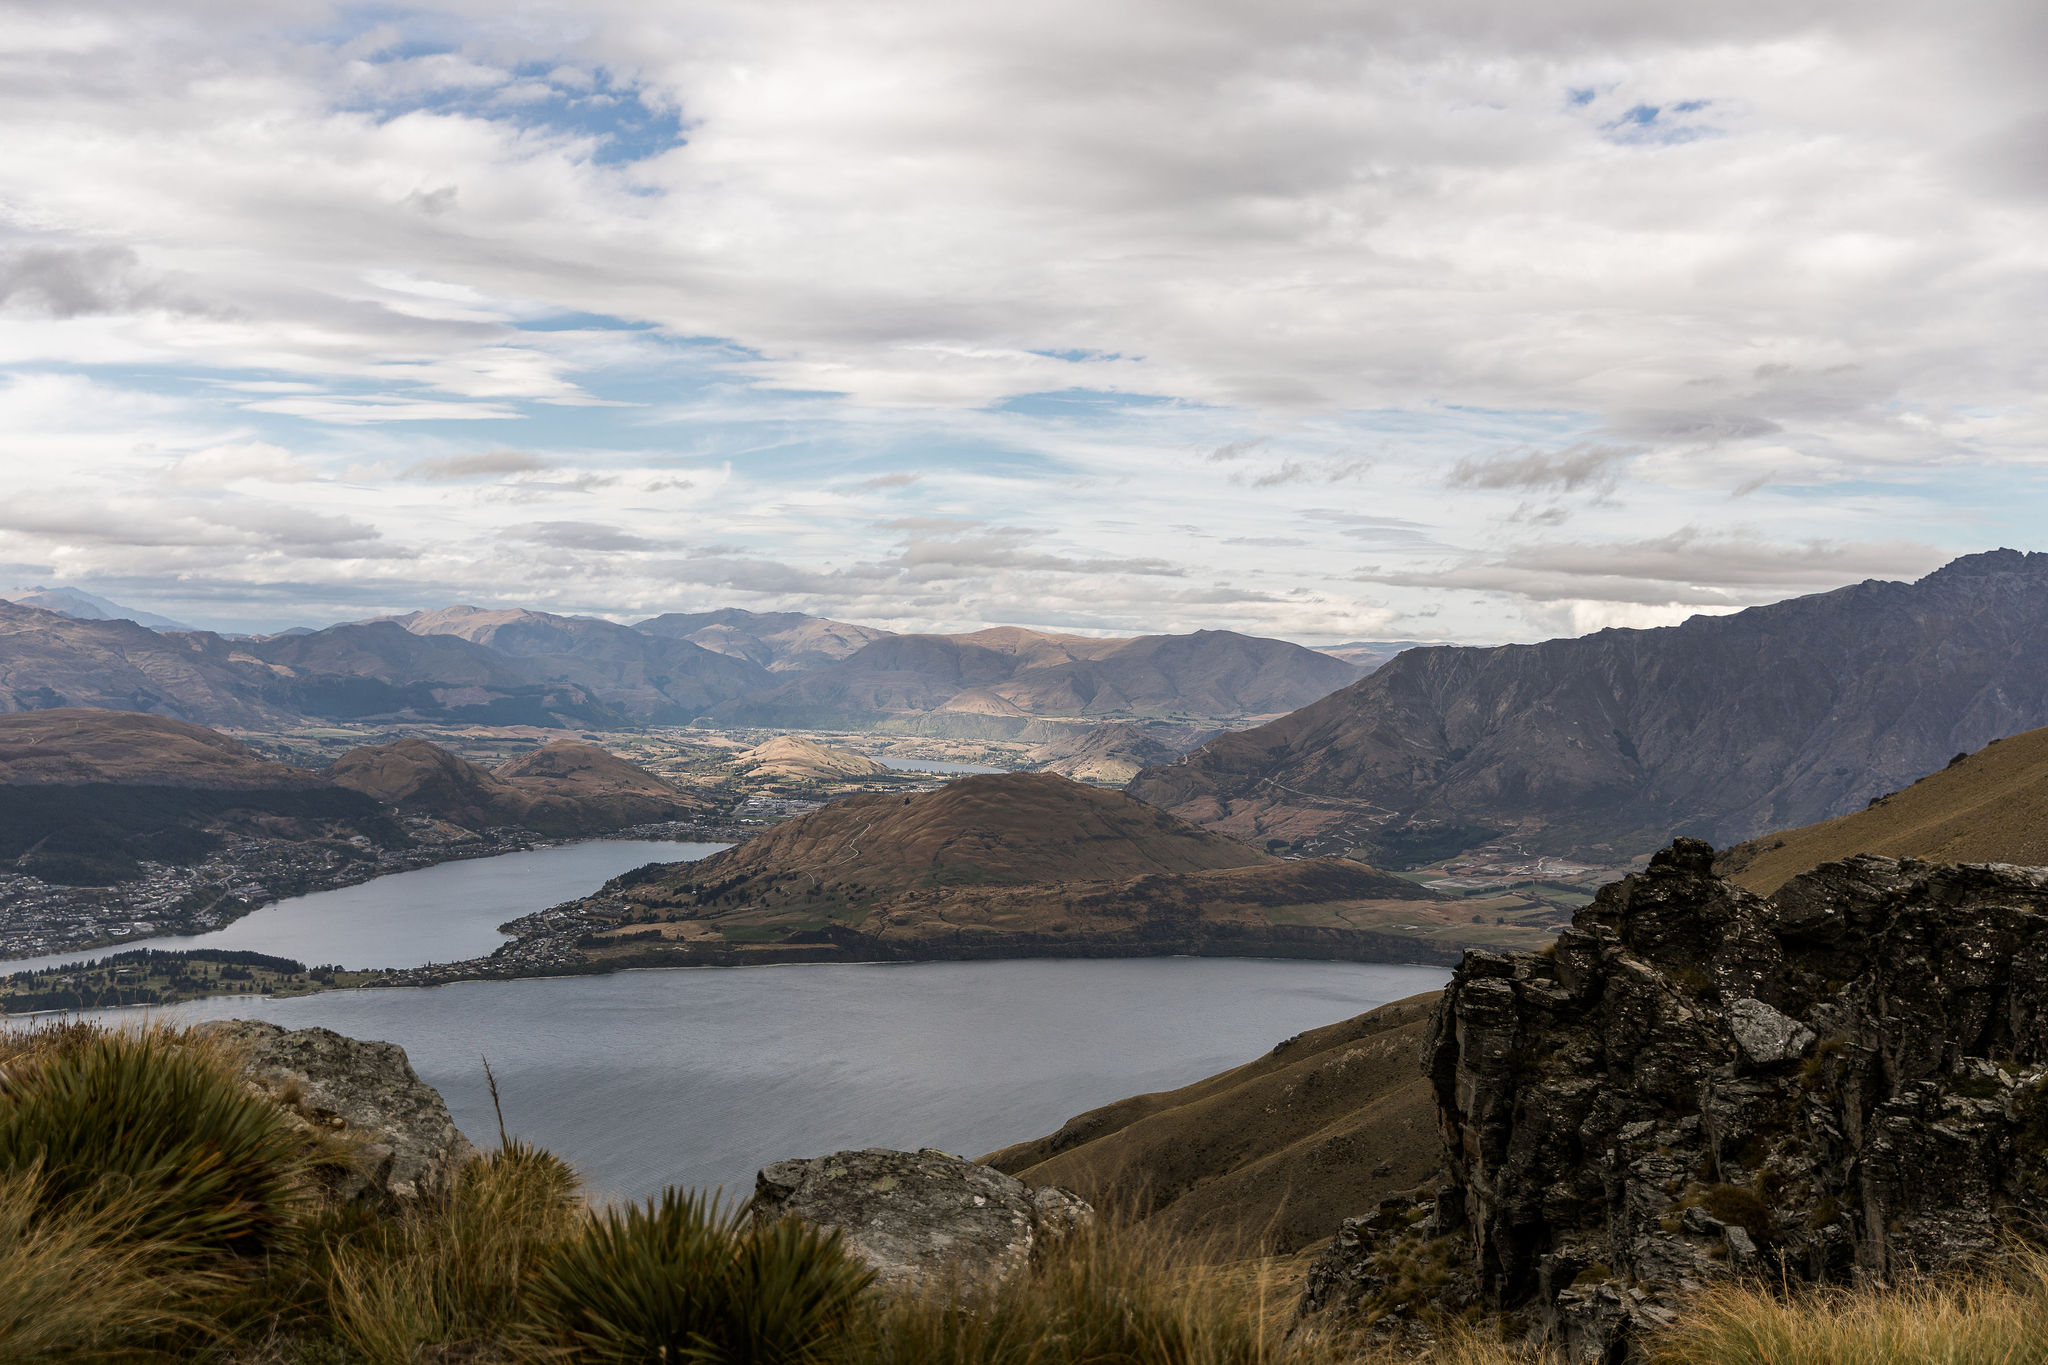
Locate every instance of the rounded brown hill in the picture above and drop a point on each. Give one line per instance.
(1986, 807)
(77, 745)
(428, 780)
(585, 768)
(566, 788)
(1019, 864)
(990, 829)
(796, 759)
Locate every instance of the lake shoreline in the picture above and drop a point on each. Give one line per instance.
(492, 844)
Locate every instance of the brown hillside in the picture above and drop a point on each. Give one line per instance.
(1027, 864)
(625, 793)
(793, 758)
(1990, 807)
(74, 745)
(1723, 727)
(428, 780)
(574, 791)
(584, 769)
(1112, 754)
(998, 828)
(89, 796)
(1276, 1151)
(48, 661)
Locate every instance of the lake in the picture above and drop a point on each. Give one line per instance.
(443, 913)
(700, 1076)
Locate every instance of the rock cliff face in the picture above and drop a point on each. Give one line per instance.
(1847, 1082)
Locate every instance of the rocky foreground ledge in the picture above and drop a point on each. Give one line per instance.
(1844, 1083)
(919, 1220)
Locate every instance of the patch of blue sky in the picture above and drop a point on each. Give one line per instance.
(1083, 356)
(1581, 95)
(583, 322)
(1079, 401)
(616, 117)
(1651, 124)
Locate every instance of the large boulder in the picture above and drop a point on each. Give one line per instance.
(1844, 1083)
(922, 1218)
(408, 1146)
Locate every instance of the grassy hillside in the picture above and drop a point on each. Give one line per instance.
(80, 744)
(1986, 807)
(792, 758)
(87, 795)
(562, 789)
(1271, 1153)
(1035, 862)
(1002, 829)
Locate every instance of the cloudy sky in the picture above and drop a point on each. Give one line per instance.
(1477, 319)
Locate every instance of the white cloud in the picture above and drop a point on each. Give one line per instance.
(220, 465)
(1471, 269)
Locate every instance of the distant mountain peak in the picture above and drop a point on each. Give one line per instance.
(1611, 743)
(81, 605)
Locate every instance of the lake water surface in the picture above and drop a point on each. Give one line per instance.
(443, 913)
(700, 1076)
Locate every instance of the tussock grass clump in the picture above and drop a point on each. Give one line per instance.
(80, 1287)
(453, 1272)
(677, 1278)
(158, 1126)
(1998, 1317)
(1116, 1291)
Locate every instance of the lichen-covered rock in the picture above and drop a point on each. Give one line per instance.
(918, 1218)
(407, 1145)
(1843, 1083)
(1766, 1037)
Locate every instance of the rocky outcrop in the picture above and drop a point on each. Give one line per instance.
(408, 1146)
(1845, 1083)
(919, 1218)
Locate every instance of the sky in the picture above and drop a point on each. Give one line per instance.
(1479, 320)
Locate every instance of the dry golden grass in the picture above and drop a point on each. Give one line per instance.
(1992, 807)
(1999, 1317)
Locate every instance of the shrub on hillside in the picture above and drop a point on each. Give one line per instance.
(150, 1122)
(677, 1279)
(452, 1272)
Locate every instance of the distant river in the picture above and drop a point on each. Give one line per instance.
(700, 1076)
(436, 914)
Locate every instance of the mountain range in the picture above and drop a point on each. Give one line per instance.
(518, 667)
(994, 684)
(85, 606)
(1609, 744)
